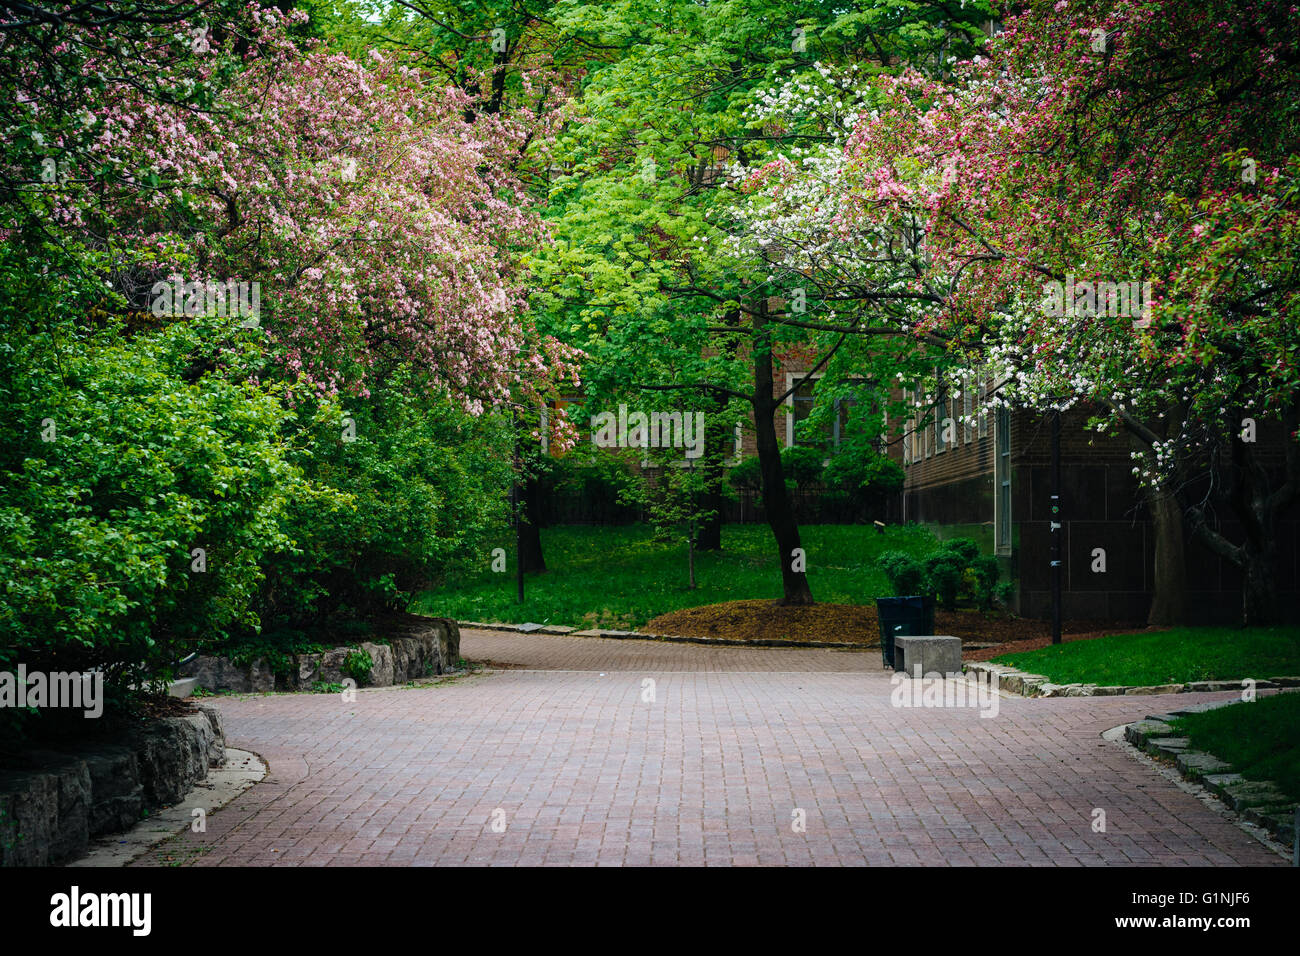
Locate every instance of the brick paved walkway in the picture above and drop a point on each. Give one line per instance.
(580, 769)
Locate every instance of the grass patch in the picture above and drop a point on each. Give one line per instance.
(619, 577)
(1175, 656)
(1260, 740)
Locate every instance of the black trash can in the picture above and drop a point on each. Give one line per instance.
(903, 617)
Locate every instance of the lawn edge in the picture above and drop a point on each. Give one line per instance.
(1247, 799)
(1023, 684)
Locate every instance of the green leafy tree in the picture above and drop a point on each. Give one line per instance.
(641, 273)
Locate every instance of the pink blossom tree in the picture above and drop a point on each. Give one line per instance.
(1099, 142)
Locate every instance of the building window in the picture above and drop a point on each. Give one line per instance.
(967, 423)
(1002, 482)
(801, 402)
(941, 425)
(984, 406)
(924, 416)
(907, 429)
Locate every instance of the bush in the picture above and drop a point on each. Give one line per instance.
(953, 571)
(156, 497)
(358, 665)
(864, 473)
(943, 571)
(802, 465)
(906, 575)
(965, 549)
(589, 474)
(746, 475)
(986, 572)
(413, 495)
(120, 460)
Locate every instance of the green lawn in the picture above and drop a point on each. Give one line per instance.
(1167, 657)
(619, 577)
(1261, 739)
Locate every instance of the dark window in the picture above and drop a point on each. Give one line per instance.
(1002, 481)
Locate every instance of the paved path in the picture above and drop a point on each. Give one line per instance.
(578, 767)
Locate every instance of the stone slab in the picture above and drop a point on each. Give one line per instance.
(927, 654)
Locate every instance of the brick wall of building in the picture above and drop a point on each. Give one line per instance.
(1103, 509)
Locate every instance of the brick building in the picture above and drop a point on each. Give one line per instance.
(987, 476)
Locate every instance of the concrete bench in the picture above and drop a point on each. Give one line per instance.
(929, 654)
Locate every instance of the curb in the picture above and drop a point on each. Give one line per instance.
(1019, 682)
(1258, 802)
(561, 631)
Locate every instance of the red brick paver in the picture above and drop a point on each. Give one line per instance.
(581, 768)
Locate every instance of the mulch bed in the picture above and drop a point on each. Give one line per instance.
(857, 624)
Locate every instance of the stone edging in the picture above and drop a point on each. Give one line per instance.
(242, 771)
(563, 631)
(1016, 681)
(50, 814)
(425, 650)
(1259, 802)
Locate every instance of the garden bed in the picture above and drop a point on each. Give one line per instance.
(839, 623)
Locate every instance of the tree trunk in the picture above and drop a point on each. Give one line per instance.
(1257, 508)
(1259, 599)
(709, 531)
(776, 499)
(1169, 600)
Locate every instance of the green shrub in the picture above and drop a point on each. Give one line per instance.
(943, 571)
(157, 449)
(906, 575)
(863, 473)
(358, 666)
(166, 441)
(965, 549)
(746, 475)
(588, 473)
(413, 496)
(985, 571)
(802, 465)
(952, 571)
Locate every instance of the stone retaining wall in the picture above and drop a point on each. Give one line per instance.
(48, 815)
(424, 651)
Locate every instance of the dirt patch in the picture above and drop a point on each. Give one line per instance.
(857, 624)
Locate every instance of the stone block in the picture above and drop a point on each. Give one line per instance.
(1197, 764)
(118, 797)
(219, 673)
(381, 666)
(931, 654)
